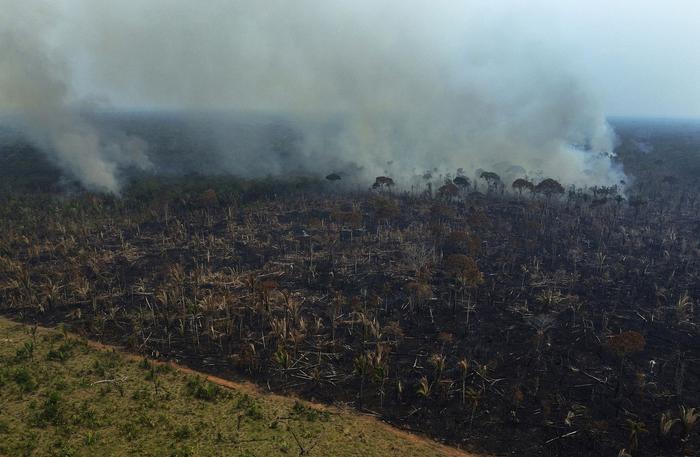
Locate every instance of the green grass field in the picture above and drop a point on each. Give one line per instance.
(61, 397)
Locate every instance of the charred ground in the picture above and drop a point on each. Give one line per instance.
(497, 319)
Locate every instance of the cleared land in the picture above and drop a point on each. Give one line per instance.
(61, 396)
(528, 317)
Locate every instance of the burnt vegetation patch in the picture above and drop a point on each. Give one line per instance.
(529, 317)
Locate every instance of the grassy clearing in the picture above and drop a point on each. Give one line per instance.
(60, 397)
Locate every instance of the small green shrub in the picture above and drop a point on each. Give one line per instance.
(164, 368)
(51, 411)
(61, 448)
(251, 407)
(182, 451)
(183, 432)
(203, 390)
(24, 379)
(105, 364)
(91, 438)
(145, 364)
(130, 430)
(301, 411)
(84, 415)
(26, 352)
(142, 395)
(63, 353)
(98, 368)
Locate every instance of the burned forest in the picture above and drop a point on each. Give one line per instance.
(523, 317)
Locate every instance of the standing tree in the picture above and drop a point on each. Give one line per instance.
(622, 345)
(465, 270)
(448, 191)
(462, 182)
(492, 179)
(463, 366)
(383, 182)
(549, 187)
(521, 184)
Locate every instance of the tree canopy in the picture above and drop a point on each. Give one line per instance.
(549, 187)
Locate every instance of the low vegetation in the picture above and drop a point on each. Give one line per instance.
(526, 316)
(98, 402)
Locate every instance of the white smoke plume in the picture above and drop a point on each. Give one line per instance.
(388, 86)
(34, 92)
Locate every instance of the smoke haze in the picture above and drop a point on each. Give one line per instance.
(34, 92)
(377, 87)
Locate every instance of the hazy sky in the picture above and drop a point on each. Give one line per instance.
(640, 57)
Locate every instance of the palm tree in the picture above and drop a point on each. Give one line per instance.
(622, 345)
(424, 387)
(636, 428)
(362, 368)
(666, 423)
(465, 270)
(379, 361)
(688, 419)
(438, 363)
(463, 366)
(474, 397)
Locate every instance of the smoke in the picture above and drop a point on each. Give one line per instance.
(378, 87)
(35, 96)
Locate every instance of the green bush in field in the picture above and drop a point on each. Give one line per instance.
(25, 380)
(25, 352)
(204, 390)
(51, 411)
(300, 411)
(62, 353)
